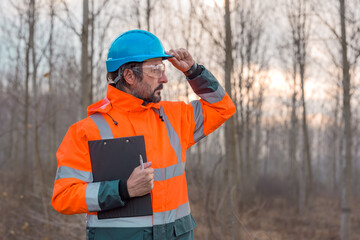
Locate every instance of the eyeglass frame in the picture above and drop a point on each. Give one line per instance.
(152, 66)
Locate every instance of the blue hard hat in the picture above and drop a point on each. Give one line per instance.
(134, 46)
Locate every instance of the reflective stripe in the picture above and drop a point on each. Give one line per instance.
(145, 221)
(213, 97)
(161, 174)
(126, 222)
(91, 196)
(92, 189)
(199, 120)
(103, 126)
(68, 172)
(173, 137)
(172, 215)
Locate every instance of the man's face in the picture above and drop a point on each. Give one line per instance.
(149, 89)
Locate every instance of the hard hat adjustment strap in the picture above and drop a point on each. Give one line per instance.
(117, 78)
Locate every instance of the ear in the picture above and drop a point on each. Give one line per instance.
(129, 76)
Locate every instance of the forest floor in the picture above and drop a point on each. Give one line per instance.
(277, 219)
(267, 219)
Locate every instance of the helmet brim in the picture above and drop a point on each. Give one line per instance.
(113, 64)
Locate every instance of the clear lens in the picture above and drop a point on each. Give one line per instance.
(155, 71)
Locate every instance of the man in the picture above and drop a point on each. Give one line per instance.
(132, 107)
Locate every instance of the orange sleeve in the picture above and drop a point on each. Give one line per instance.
(74, 190)
(211, 111)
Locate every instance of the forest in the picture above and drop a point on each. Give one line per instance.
(284, 167)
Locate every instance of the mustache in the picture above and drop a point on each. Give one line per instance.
(159, 87)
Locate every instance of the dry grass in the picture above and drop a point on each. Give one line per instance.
(23, 217)
(267, 218)
(278, 219)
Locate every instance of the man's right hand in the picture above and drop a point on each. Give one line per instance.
(141, 181)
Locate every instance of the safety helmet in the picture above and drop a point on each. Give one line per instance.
(134, 46)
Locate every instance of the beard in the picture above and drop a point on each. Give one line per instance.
(144, 92)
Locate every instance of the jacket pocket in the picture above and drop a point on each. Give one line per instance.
(184, 225)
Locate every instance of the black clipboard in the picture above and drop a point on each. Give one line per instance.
(116, 158)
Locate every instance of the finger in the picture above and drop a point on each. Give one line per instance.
(149, 177)
(174, 61)
(186, 54)
(178, 54)
(181, 54)
(147, 164)
(170, 52)
(150, 170)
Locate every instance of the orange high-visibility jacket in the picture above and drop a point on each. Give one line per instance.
(169, 129)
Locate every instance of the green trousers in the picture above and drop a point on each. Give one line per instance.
(181, 229)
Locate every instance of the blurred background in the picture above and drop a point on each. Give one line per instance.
(286, 166)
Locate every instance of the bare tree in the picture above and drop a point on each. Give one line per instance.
(28, 51)
(149, 8)
(300, 32)
(250, 68)
(52, 109)
(347, 46)
(100, 21)
(231, 171)
(85, 83)
(346, 170)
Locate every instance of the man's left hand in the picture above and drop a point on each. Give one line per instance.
(182, 59)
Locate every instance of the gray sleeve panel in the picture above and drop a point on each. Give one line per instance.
(199, 120)
(213, 97)
(204, 83)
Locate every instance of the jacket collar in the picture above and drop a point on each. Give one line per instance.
(120, 101)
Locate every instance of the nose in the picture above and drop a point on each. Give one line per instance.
(163, 79)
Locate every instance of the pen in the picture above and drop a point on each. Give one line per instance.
(141, 162)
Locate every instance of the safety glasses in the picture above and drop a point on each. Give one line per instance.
(154, 71)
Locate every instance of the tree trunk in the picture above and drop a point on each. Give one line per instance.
(299, 23)
(26, 183)
(258, 138)
(346, 164)
(229, 126)
(85, 82)
(294, 121)
(38, 176)
(335, 146)
(248, 135)
(92, 50)
(293, 142)
(302, 184)
(148, 14)
(137, 13)
(37, 172)
(52, 94)
(240, 132)
(306, 141)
